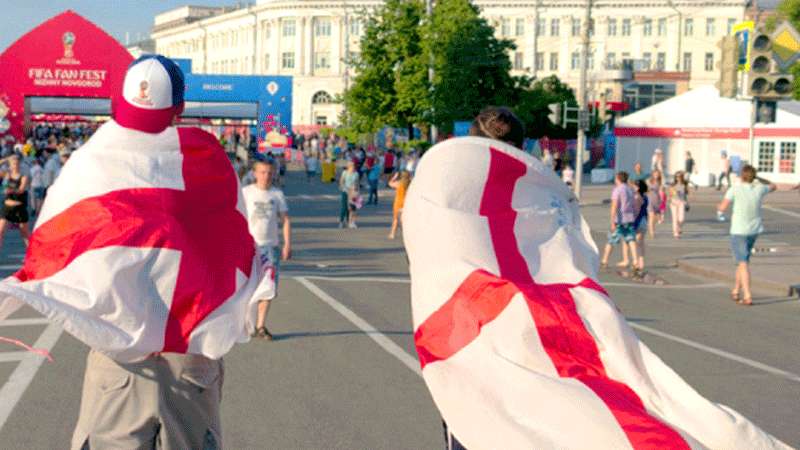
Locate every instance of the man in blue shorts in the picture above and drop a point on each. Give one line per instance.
(623, 215)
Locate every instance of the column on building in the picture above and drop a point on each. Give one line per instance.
(309, 46)
(275, 57)
(637, 35)
(300, 44)
(337, 49)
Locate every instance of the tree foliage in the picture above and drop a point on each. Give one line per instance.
(531, 105)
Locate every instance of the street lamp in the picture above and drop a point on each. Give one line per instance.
(680, 35)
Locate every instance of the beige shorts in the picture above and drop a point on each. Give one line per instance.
(167, 401)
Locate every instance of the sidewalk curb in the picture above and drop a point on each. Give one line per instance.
(727, 273)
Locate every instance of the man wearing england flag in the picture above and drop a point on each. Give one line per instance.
(266, 212)
(142, 252)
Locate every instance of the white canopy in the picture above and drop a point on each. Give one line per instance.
(704, 108)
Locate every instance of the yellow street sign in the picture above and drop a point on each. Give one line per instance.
(743, 31)
(785, 45)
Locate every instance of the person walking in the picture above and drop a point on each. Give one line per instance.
(622, 215)
(678, 203)
(37, 185)
(725, 173)
(638, 173)
(689, 169)
(657, 161)
(267, 213)
(312, 165)
(15, 204)
(348, 188)
(373, 177)
(640, 225)
(746, 224)
(655, 195)
(399, 182)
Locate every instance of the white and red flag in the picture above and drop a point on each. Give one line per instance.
(520, 346)
(142, 246)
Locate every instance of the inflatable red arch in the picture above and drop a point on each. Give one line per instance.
(66, 56)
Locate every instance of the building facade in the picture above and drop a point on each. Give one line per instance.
(642, 51)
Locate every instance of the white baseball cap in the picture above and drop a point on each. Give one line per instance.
(152, 94)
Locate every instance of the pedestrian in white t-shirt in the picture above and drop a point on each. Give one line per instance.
(266, 213)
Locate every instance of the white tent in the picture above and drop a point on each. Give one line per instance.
(702, 122)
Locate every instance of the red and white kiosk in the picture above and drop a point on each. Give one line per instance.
(702, 122)
(64, 58)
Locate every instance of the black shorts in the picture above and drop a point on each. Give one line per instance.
(388, 170)
(16, 214)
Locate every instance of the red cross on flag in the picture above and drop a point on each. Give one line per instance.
(142, 246)
(520, 347)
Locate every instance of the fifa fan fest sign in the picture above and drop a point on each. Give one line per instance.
(66, 56)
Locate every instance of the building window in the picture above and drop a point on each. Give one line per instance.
(612, 27)
(640, 96)
(288, 28)
(575, 63)
(710, 27)
(731, 23)
(265, 30)
(647, 29)
(576, 27)
(322, 60)
(505, 27)
(788, 157)
(539, 61)
(321, 98)
(519, 27)
(321, 120)
(355, 27)
(647, 60)
(687, 62)
(766, 156)
(518, 61)
(287, 60)
(555, 24)
(554, 61)
(661, 61)
(709, 62)
(611, 60)
(541, 27)
(626, 27)
(322, 27)
(688, 27)
(662, 26)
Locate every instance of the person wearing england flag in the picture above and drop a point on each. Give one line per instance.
(142, 252)
(519, 344)
(266, 212)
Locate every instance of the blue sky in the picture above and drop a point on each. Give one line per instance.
(115, 16)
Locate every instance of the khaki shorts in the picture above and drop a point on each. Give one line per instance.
(166, 401)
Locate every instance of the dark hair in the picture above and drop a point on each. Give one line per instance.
(622, 176)
(499, 122)
(642, 187)
(748, 173)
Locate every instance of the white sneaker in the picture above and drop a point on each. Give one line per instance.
(352, 226)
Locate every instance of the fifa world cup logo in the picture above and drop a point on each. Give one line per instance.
(69, 41)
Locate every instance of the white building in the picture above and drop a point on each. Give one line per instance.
(642, 51)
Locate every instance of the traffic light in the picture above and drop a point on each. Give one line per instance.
(556, 114)
(765, 111)
(728, 67)
(764, 81)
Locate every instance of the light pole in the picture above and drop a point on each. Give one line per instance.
(680, 35)
(429, 13)
(583, 114)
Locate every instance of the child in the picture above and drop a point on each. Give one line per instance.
(400, 182)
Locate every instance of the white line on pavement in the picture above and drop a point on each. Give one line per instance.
(715, 351)
(19, 322)
(783, 211)
(412, 364)
(13, 356)
(9, 266)
(381, 339)
(611, 284)
(21, 378)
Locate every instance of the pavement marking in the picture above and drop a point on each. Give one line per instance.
(783, 211)
(715, 351)
(412, 364)
(381, 339)
(21, 378)
(19, 322)
(611, 284)
(9, 266)
(13, 356)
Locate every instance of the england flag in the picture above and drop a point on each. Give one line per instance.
(142, 245)
(519, 344)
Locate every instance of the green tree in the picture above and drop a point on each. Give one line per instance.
(391, 84)
(471, 66)
(531, 105)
